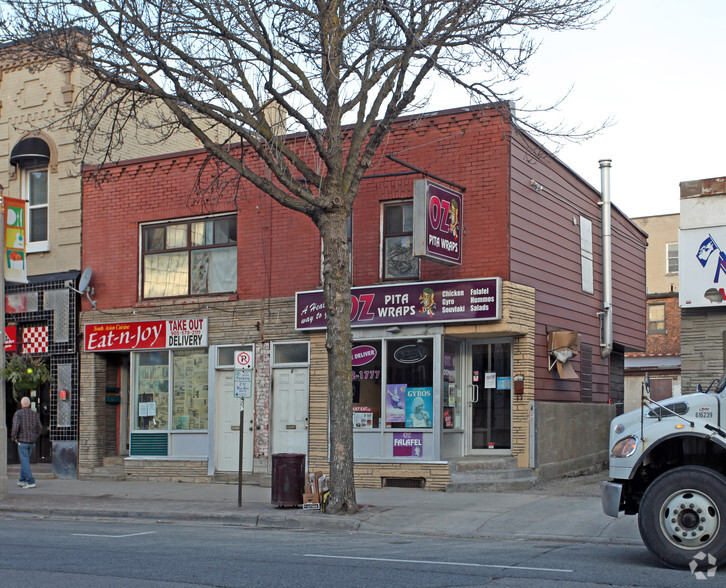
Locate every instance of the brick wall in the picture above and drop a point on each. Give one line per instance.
(278, 249)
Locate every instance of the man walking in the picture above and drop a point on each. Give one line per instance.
(26, 429)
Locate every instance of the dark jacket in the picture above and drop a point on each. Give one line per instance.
(26, 426)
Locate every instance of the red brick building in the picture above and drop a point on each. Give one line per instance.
(453, 363)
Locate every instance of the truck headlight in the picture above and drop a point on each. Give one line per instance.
(625, 447)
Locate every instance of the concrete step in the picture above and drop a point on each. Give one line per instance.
(484, 463)
(107, 474)
(493, 475)
(112, 461)
(488, 473)
(41, 471)
(491, 486)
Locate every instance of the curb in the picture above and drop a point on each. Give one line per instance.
(293, 521)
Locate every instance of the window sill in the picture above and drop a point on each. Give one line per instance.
(40, 247)
(185, 300)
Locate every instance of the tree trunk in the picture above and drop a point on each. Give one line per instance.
(333, 227)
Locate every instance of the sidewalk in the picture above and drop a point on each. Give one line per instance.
(567, 509)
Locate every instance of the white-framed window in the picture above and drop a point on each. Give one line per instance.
(31, 156)
(35, 192)
(189, 257)
(672, 258)
(398, 261)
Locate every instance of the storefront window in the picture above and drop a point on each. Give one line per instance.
(191, 390)
(152, 398)
(188, 409)
(367, 385)
(409, 383)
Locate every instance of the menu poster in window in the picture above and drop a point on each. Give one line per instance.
(449, 369)
(451, 396)
(363, 420)
(419, 407)
(504, 383)
(396, 403)
(448, 418)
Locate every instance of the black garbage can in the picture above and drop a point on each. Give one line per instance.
(288, 478)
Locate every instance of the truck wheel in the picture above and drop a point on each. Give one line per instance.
(683, 513)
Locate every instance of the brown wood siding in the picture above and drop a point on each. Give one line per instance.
(629, 287)
(545, 254)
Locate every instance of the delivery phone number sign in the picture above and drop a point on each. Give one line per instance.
(170, 334)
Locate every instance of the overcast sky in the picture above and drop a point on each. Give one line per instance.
(656, 68)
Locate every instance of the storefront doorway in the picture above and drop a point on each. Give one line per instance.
(228, 426)
(490, 397)
(290, 410)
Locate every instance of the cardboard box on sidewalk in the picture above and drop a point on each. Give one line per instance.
(311, 501)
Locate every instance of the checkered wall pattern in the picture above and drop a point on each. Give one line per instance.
(35, 340)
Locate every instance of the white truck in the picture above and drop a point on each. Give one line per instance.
(668, 466)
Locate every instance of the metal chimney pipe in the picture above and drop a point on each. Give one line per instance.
(606, 338)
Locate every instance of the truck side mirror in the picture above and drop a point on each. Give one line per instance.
(699, 388)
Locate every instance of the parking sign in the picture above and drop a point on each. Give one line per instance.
(243, 360)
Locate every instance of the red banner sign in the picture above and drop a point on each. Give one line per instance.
(172, 334)
(11, 338)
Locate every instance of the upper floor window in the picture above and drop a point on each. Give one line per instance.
(31, 156)
(398, 259)
(656, 319)
(197, 256)
(672, 258)
(35, 191)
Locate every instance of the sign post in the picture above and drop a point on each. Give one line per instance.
(243, 369)
(241, 436)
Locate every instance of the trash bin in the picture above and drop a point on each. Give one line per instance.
(288, 478)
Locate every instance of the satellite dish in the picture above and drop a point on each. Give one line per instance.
(85, 279)
(83, 282)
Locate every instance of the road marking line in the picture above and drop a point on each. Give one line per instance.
(440, 563)
(112, 536)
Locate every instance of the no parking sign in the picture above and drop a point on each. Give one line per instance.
(243, 360)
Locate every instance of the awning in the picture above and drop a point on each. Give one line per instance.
(31, 152)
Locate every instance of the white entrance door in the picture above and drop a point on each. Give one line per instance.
(290, 410)
(228, 426)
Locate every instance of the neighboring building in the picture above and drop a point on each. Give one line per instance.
(703, 283)
(456, 366)
(42, 166)
(662, 357)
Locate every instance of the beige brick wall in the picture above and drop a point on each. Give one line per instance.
(161, 470)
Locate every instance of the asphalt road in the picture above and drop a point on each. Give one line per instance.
(93, 553)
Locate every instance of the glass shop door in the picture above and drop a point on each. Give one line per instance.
(490, 397)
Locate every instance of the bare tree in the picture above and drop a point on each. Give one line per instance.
(341, 71)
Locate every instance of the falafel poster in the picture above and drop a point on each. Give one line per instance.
(406, 304)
